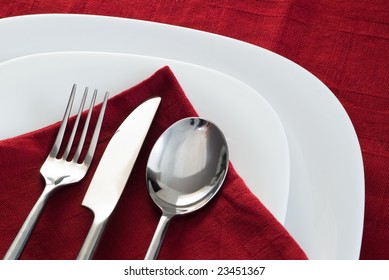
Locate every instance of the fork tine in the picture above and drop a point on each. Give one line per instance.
(92, 146)
(85, 130)
(58, 140)
(73, 134)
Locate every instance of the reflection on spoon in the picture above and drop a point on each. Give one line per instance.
(186, 168)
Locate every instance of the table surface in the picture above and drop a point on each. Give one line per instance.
(345, 44)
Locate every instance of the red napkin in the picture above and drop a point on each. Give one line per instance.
(235, 225)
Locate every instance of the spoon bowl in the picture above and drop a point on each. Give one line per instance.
(185, 170)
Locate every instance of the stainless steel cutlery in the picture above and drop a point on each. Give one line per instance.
(186, 168)
(114, 169)
(194, 146)
(60, 171)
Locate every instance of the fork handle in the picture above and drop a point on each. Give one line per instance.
(21, 238)
(92, 239)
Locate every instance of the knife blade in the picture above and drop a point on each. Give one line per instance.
(114, 170)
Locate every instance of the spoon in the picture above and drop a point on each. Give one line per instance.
(186, 168)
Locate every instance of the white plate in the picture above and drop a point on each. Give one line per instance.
(40, 85)
(326, 203)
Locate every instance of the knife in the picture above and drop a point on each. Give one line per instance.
(114, 169)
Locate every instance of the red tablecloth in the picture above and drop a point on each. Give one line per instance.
(345, 44)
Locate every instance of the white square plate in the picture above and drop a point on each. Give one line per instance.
(326, 199)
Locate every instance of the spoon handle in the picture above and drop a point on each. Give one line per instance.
(156, 242)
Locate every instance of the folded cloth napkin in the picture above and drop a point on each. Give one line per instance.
(234, 225)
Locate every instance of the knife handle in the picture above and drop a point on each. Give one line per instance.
(91, 240)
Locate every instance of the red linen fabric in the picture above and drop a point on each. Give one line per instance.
(235, 225)
(343, 43)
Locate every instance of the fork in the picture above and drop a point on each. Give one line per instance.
(61, 170)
